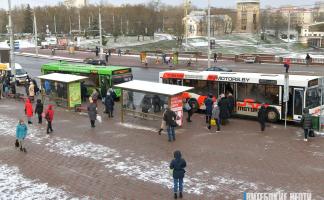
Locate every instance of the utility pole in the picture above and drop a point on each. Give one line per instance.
(288, 31)
(55, 25)
(100, 34)
(89, 22)
(127, 27)
(121, 25)
(79, 24)
(113, 24)
(208, 33)
(186, 4)
(12, 59)
(35, 30)
(70, 25)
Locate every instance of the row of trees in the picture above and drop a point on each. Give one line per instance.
(123, 20)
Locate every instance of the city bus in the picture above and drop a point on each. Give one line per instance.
(98, 76)
(250, 91)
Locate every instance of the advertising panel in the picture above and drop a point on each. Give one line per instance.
(74, 94)
(176, 106)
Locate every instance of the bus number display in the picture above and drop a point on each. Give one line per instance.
(123, 71)
(266, 81)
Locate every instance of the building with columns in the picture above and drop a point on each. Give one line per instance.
(248, 16)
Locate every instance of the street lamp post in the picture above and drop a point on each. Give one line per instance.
(100, 35)
(35, 31)
(10, 31)
(208, 33)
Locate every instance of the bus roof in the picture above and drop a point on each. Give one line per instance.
(240, 77)
(83, 68)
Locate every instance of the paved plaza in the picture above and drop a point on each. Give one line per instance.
(130, 160)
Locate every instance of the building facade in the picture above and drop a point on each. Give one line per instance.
(313, 35)
(248, 16)
(75, 3)
(197, 24)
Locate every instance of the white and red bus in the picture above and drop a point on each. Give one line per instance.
(250, 90)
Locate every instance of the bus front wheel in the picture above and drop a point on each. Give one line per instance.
(272, 115)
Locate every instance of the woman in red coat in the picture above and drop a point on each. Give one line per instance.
(29, 110)
(49, 116)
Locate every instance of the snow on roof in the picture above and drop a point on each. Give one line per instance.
(153, 87)
(65, 78)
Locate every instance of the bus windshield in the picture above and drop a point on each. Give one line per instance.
(313, 98)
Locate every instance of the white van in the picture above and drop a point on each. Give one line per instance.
(21, 74)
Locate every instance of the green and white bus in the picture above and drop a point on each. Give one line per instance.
(100, 77)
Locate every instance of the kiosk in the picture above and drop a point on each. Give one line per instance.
(156, 96)
(62, 89)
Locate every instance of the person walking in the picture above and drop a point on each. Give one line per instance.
(95, 96)
(130, 103)
(156, 101)
(107, 58)
(31, 91)
(170, 120)
(29, 110)
(223, 109)
(1, 87)
(84, 92)
(178, 165)
(189, 107)
(307, 123)
(49, 116)
(262, 117)
(231, 103)
(109, 103)
(109, 52)
(209, 108)
(119, 52)
(215, 116)
(92, 112)
(97, 51)
(308, 59)
(21, 133)
(39, 110)
(163, 124)
(215, 57)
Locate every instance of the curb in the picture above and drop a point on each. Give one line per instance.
(76, 60)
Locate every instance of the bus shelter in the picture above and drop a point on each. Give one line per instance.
(149, 99)
(63, 89)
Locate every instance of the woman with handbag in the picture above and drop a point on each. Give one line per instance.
(215, 117)
(21, 133)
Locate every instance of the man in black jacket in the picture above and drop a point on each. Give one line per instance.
(177, 165)
(262, 117)
(170, 119)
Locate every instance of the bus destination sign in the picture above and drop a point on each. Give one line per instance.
(123, 71)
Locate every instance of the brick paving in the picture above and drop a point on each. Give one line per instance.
(130, 161)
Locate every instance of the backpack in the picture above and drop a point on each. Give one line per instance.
(187, 107)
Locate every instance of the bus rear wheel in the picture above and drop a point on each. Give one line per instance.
(272, 115)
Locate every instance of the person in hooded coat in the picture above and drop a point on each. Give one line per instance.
(209, 107)
(21, 133)
(29, 110)
(109, 103)
(262, 117)
(307, 123)
(92, 112)
(177, 165)
(49, 116)
(223, 109)
(231, 103)
(39, 110)
(31, 91)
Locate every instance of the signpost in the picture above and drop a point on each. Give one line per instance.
(286, 96)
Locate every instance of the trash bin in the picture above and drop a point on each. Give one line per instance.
(315, 123)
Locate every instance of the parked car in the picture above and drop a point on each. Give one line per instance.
(249, 60)
(21, 73)
(93, 61)
(222, 69)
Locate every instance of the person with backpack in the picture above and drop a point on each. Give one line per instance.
(39, 110)
(307, 123)
(29, 110)
(49, 116)
(308, 59)
(177, 166)
(262, 117)
(170, 121)
(21, 133)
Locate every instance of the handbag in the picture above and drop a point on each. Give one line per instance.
(213, 122)
(16, 143)
(187, 107)
(171, 172)
(99, 119)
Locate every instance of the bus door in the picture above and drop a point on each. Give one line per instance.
(226, 88)
(298, 101)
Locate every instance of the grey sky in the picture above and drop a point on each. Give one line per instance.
(199, 3)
